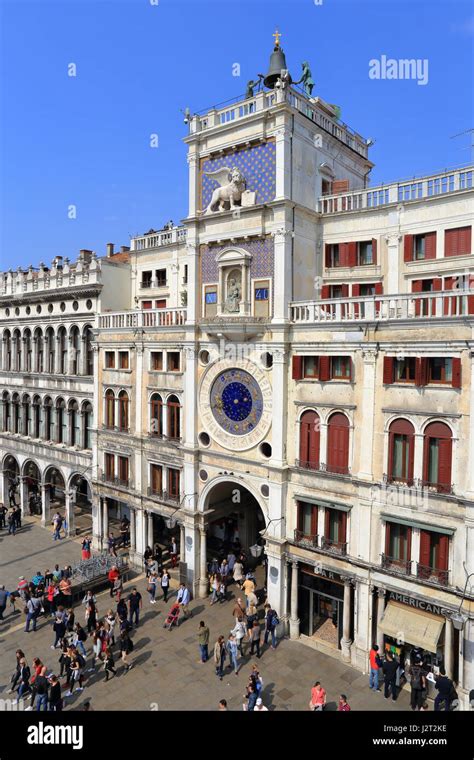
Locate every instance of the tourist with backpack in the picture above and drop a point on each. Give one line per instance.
(126, 646)
(445, 687)
(271, 622)
(375, 665)
(417, 685)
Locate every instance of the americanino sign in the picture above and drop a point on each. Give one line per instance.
(418, 604)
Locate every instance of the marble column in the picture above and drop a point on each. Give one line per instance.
(380, 611)
(105, 521)
(346, 640)
(150, 530)
(23, 496)
(96, 522)
(448, 647)
(294, 619)
(133, 541)
(279, 400)
(45, 506)
(369, 356)
(70, 498)
(203, 581)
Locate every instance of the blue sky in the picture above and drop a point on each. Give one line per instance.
(85, 140)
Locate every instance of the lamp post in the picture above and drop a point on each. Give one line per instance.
(458, 618)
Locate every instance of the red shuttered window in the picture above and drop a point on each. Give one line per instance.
(309, 440)
(401, 448)
(437, 456)
(457, 242)
(338, 444)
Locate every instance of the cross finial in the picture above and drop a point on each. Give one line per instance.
(277, 36)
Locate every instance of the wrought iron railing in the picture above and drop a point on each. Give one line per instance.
(401, 566)
(432, 574)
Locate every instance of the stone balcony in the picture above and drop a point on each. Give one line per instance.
(141, 318)
(416, 189)
(401, 307)
(158, 239)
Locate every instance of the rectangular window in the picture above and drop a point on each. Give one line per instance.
(147, 304)
(307, 519)
(340, 368)
(310, 366)
(457, 242)
(211, 296)
(185, 275)
(123, 469)
(157, 361)
(401, 457)
(110, 359)
(440, 370)
(173, 482)
(404, 370)
(367, 290)
(332, 256)
(161, 278)
(160, 304)
(398, 541)
(365, 253)
(156, 478)
(109, 466)
(418, 247)
(146, 279)
(123, 360)
(173, 361)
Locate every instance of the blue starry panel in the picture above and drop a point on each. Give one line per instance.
(236, 401)
(257, 164)
(261, 264)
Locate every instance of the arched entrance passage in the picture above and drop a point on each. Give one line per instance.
(32, 487)
(80, 504)
(54, 493)
(234, 519)
(11, 481)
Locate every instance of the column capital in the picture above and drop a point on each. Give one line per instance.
(381, 593)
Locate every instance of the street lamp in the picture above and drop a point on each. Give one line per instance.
(458, 618)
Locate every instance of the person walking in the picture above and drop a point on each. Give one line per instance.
(3, 600)
(203, 638)
(239, 632)
(114, 574)
(165, 584)
(252, 697)
(11, 524)
(24, 678)
(343, 705)
(214, 587)
(252, 616)
(255, 638)
(91, 615)
(318, 698)
(111, 620)
(96, 649)
(271, 622)
(152, 584)
(232, 651)
(134, 606)
(259, 706)
(375, 665)
(239, 610)
(86, 548)
(173, 552)
(444, 686)
(55, 699)
(417, 685)
(109, 664)
(126, 646)
(41, 688)
(77, 670)
(79, 639)
(183, 598)
(389, 668)
(238, 573)
(20, 655)
(33, 607)
(220, 654)
(57, 525)
(59, 628)
(248, 587)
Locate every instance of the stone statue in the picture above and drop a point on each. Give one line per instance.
(229, 193)
(306, 79)
(251, 85)
(232, 302)
(283, 81)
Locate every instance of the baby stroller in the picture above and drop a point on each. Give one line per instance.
(172, 617)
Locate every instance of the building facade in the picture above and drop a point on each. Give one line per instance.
(294, 365)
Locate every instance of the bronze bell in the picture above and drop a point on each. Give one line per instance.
(277, 63)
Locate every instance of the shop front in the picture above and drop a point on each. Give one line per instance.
(321, 605)
(414, 629)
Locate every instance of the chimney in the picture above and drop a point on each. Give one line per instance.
(85, 254)
(124, 248)
(110, 249)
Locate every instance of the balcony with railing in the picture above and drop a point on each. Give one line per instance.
(141, 318)
(333, 547)
(305, 540)
(114, 481)
(408, 191)
(161, 495)
(148, 284)
(403, 306)
(395, 565)
(432, 575)
(159, 238)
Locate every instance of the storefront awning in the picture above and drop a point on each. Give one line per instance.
(412, 626)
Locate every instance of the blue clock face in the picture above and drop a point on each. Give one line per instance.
(236, 401)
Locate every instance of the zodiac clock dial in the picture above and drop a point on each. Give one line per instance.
(236, 401)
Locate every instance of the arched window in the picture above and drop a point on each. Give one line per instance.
(75, 347)
(174, 422)
(37, 417)
(87, 424)
(6, 408)
(7, 350)
(401, 447)
(437, 456)
(156, 415)
(50, 351)
(38, 339)
(62, 348)
(309, 440)
(89, 354)
(338, 444)
(74, 429)
(17, 343)
(123, 402)
(109, 408)
(48, 419)
(16, 413)
(26, 415)
(61, 421)
(28, 351)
